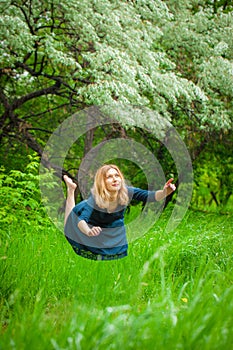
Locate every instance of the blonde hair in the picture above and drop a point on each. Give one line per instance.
(101, 194)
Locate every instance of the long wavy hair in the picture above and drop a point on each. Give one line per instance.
(101, 194)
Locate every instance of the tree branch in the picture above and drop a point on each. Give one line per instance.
(27, 20)
(50, 90)
(58, 79)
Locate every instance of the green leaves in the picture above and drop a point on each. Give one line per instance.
(174, 57)
(16, 40)
(20, 195)
(109, 46)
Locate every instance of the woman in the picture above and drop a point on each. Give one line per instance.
(95, 227)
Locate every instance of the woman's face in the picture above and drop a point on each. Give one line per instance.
(113, 180)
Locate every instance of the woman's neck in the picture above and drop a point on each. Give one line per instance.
(112, 205)
(113, 198)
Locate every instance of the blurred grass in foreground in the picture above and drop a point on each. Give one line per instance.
(173, 291)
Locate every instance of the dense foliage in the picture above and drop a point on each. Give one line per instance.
(174, 57)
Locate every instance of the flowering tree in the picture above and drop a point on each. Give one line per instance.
(174, 57)
(59, 57)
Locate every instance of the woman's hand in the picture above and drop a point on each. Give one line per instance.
(169, 187)
(90, 232)
(94, 231)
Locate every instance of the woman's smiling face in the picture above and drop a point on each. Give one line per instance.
(113, 180)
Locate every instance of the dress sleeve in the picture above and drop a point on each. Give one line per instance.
(84, 209)
(141, 195)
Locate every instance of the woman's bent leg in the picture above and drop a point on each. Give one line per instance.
(70, 201)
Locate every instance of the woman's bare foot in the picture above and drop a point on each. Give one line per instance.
(69, 183)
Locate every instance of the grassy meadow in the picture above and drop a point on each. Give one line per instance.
(173, 291)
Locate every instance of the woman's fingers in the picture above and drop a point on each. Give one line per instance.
(169, 182)
(95, 231)
(170, 186)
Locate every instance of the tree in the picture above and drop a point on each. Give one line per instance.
(174, 57)
(59, 57)
(199, 41)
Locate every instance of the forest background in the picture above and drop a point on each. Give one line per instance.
(173, 57)
(58, 58)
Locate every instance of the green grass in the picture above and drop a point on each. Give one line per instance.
(173, 291)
